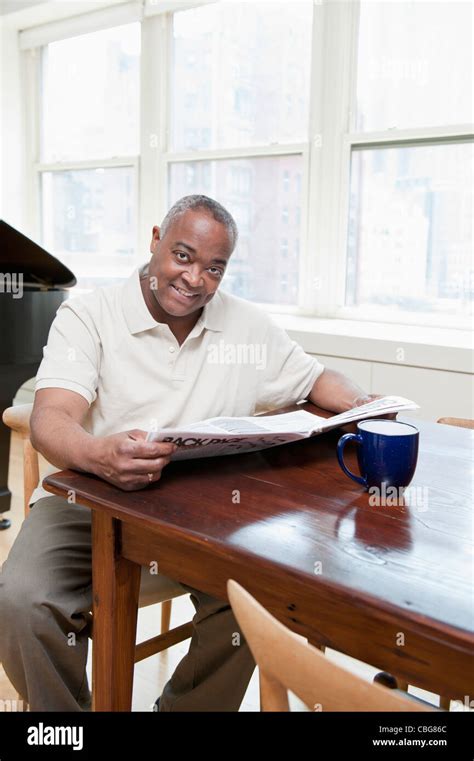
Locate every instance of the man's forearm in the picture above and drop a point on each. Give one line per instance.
(61, 440)
(335, 392)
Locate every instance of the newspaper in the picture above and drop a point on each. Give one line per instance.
(234, 435)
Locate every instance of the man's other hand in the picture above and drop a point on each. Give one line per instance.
(365, 399)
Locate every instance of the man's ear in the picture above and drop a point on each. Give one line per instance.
(155, 237)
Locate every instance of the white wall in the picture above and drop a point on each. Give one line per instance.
(10, 6)
(439, 393)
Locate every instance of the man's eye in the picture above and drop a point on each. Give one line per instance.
(215, 271)
(181, 253)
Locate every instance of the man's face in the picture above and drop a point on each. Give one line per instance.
(188, 262)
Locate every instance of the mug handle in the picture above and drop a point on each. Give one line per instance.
(340, 455)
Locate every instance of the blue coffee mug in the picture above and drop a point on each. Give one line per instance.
(387, 452)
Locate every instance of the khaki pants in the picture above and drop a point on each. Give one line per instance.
(45, 593)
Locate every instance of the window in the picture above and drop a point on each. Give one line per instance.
(90, 211)
(242, 105)
(241, 179)
(250, 60)
(411, 229)
(89, 141)
(259, 217)
(414, 64)
(409, 237)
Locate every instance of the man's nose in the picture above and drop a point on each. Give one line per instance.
(192, 277)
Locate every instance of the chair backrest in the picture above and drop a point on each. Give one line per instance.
(459, 421)
(287, 662)
(18, 419)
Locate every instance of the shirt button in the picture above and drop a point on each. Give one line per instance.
(171, 349)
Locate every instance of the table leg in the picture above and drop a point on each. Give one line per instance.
(116, 588)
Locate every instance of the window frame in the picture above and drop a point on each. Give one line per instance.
(325, 181)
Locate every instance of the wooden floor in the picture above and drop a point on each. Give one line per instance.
(153, 673)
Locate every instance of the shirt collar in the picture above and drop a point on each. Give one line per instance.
(138, 317)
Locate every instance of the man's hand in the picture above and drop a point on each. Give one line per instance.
(125, 459)
(365, 399)
(336, 392)
(130, 462)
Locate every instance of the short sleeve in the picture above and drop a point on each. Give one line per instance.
(71, 358)
(289, 373)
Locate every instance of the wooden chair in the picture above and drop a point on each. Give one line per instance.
(17, 418)
(461, 422)
(287, 662)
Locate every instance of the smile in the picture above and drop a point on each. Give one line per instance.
(184, 293)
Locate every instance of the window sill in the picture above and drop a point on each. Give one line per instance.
(434, 348)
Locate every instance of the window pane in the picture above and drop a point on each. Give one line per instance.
(414, 64)
(90, 98)
(89, 222)
(240, 74)
(264, 267)
(410, 229)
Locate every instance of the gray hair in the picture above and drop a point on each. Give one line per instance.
(195, 202)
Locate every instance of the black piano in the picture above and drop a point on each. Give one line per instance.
(32, 286)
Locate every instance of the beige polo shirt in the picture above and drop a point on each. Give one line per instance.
(132, 371)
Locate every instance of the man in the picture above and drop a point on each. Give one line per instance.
(118, 361)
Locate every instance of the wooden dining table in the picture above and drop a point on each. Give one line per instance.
(390, 585)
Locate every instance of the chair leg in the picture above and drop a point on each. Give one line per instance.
(165, 616)
(30, 472)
